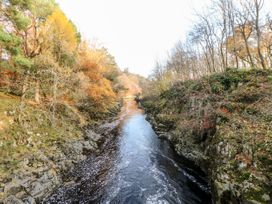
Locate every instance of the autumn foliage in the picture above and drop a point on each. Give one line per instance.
(61, 31)
(227, 34)
(98, 88)
(43, 49)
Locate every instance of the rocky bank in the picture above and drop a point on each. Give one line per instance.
(43, 170)
(223, 123)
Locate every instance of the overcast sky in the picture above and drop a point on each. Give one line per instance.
(136, 32)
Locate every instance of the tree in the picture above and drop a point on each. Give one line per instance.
(99, 93)
(255, 12)
(24, 18)
(60, 40)
(228, 34)
(61, 37)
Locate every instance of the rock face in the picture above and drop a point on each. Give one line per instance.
(223, 124)
(35, 180)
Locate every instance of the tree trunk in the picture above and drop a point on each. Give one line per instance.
(247, 48)
(24, 89)
(37, 91)
(258, 33)
(54, 99)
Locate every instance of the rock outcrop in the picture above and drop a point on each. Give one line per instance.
(36, 178)
(223, 124)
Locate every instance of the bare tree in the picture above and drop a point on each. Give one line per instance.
(229, 34)
(254, 8)
(244, 28)
(269, 40)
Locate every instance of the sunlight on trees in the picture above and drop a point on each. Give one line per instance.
(229, 34)
(43, 58)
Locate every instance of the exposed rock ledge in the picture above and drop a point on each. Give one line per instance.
(32, 182)
(223, 124)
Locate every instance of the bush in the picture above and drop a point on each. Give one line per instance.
(270, 78)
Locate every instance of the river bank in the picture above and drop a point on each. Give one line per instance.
(41, 165)
(41, 143)
(223, 124)
(135, 166)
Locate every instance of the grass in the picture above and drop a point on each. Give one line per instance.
(241, 102)
(23, 133)
(7, 103)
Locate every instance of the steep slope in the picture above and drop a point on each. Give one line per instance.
(224, 124)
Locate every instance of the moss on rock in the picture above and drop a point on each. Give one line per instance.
(223, 125)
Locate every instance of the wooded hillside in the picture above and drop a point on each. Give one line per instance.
(228, 34)
(52, 84)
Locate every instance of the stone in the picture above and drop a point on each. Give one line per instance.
(266, 197)
(21, 194)
(91, 135)
(29, 200)
(37, 189)
(13, 200)
(13, 187)
(242, 165)
(87, 145)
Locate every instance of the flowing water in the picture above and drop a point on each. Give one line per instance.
(136, 167)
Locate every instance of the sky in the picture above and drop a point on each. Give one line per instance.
(136, 32)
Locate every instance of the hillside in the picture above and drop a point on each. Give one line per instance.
(130, 84)
(35, 154)
(224, 124)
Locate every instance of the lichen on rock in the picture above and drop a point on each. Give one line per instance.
(223, 128)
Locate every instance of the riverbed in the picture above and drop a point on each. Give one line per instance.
(135, 167)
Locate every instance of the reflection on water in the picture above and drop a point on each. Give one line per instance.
(138, 168)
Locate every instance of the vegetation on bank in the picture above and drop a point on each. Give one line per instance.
(218, 117)
(52, 83)
(227, 34)
(223, 123)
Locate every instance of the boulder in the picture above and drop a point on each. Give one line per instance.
(13, 187)
(29, 200)
(13, 200)
(91, 135)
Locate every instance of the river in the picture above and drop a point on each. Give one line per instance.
(135, 167)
